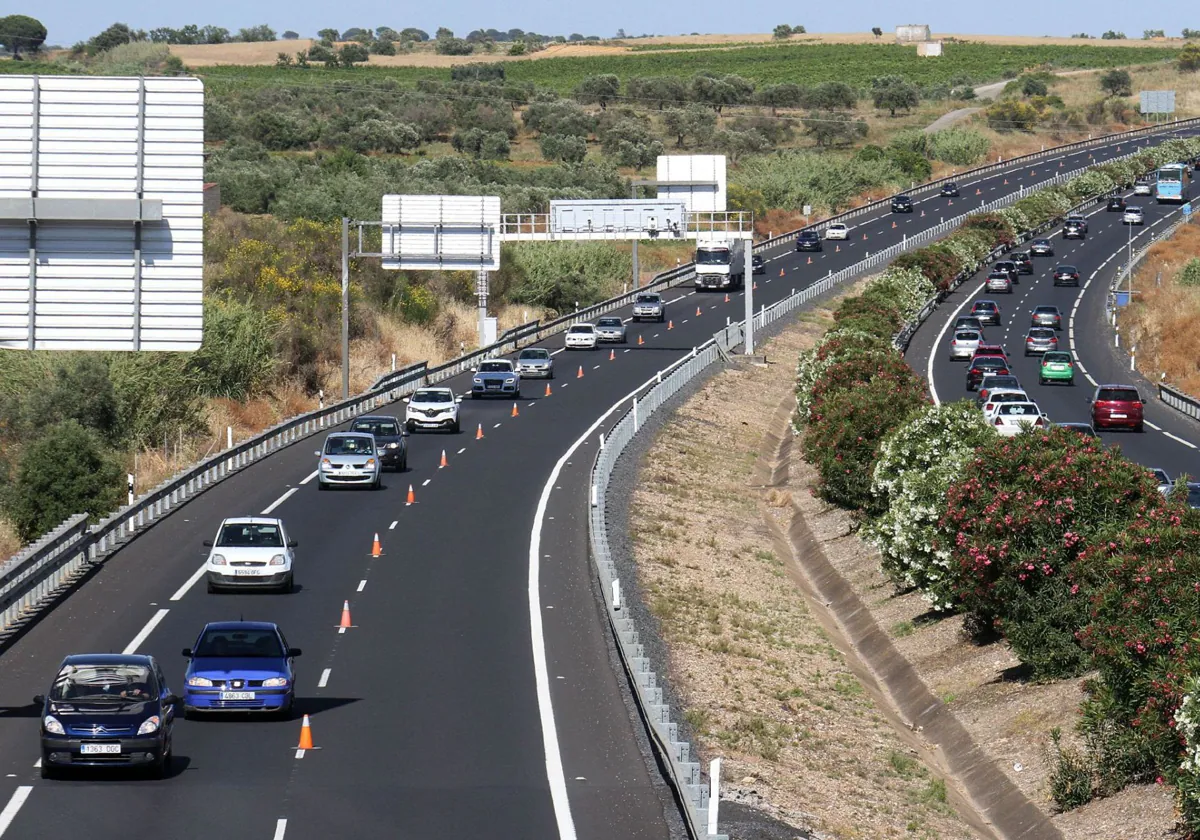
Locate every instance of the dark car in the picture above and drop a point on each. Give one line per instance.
(969, 322)
(1084, 429)
(1023, 261)
(1010, 268)
(950, 190)
(902, 204)
(1075, 229)
(808, 240)
(240, 666)
(1045, 315)
(994, 382)
(1066, 275)
(987, 311)
(1117, 406)
(107, 710)
(1116, 204)
(757, 265)
(985, 364)
(391, 441)
(1042, 248)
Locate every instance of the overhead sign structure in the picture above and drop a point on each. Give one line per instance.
(1157, 101)
(446, 232)
(101, 213)
(619, 218)
(696, 180)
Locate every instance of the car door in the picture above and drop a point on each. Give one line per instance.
(168, 710)
(291, 662)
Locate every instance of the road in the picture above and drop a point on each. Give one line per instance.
(1170, 439)
(475, 694)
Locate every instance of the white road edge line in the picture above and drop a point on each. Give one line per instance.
(324, 681)
(937, 342)
(14, 805)
(279, 501)
(144, 633)
(190, 582)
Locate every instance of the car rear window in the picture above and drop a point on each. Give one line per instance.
(966, 335)
(1065, 269)
(1057, 357)
(984, 307)
(990, 362)
(609, 322)
(1018, 409)
(1046, 310)
(1118, 395)
(1042, 332)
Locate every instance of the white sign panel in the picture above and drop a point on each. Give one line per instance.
(1157, 101)
(101, 213)
(699, 181)
(446, 232)
(638, 217)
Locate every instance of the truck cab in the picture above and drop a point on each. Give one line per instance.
(720, 264)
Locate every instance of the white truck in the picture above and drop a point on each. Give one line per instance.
(720, 263)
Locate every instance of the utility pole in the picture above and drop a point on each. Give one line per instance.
(345, 308)
(748, 285)
(636, 272)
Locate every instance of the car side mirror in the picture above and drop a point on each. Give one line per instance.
(187, 653)
(1143, 401)
(293, 651)
(170, 700)
(207, 543)
(474, 370)
(293, 544)
(458, 399)
(39, 699)
(318, 453)
(405, 400)
(1089, 399)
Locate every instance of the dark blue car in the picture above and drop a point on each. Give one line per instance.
(240, 666)
(107, 710)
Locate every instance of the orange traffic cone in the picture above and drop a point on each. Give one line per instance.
(515, 412)
(670, 326)
(547, 389)
(444, 462)
(727, 293)
(479, 432)
(781, 272)
(864, 237)
(837, 249)
(306, 741)
(580, 374)
(412, 497)
(1006, 182)
(345, 623)
(641, 340)
(922, 214)
(810, 258)
(1032, 172)
(893, 225)
(949, 201)
(376, 548)
(755, 286)
(612, 355)
(978, 191)
(698, 308)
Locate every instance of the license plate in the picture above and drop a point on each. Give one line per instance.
(1120, 416)
(237, 695)
(100, 749)
(245, 573)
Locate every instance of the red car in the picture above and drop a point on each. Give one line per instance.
(990, 350)
(1117, 406)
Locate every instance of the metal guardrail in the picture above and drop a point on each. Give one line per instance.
(1178, 400)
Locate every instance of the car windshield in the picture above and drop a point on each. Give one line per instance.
(249, 534)
(1161, 476)
(1018, 409)
(1041, 242)
(103, 682)
(240, 643)
(1020, 256)
(1056, 358)
(498, 367)
(649, 299)
(534, 354)
(349, 446)
(1193, 495)
(712, 256)
(984, 307)
(581, 328)
(992, 383)
(966, 335)
(432, 397)
(609, 322)
(1118, 395)
(837, 226)
(379, 428)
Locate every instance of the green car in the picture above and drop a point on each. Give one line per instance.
(1057, 366)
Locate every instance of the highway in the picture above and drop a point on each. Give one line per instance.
(475, 695)
(1170, 439)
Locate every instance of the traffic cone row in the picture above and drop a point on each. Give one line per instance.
(376, 548)
(444, 462)
(479, 432)
(412, 497)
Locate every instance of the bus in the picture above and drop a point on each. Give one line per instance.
(1172, 183)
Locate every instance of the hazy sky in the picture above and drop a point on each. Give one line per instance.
(69, 21)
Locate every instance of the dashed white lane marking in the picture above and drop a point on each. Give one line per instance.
(14, 805)
(281, 825)
(461, 451)
(362, 584)
(189, 583)
(392, 527)
(324, 681)
(497, 426)
(145, 632)
(425, 483)
(309, 477)
(1186, 443)
(1152, 426)
(279, 501)
(299, 753)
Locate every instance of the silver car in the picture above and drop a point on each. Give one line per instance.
(1040, 340)
(964, 343)
(535, 362)
(1165, 484)
(999, 281)
(649, 306)
(1133, 216)
(1046, 316)
(610, 328)
(348, 458)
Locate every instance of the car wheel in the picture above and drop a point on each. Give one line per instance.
(211, 588)
(404, 464)
(49, 772)
(161, 768)
(474, 395)
(410, 427)
(285, 713)
(190, 713)
(455, 429)
(289, 587)
(321, 485)
(377, 483)
(1139, 428)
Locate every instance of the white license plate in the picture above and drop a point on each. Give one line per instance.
(237, 695)
(245, 573)
(100, 749)
(1120, 416)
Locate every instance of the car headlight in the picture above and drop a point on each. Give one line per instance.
(149, 725)
(477, 381)
(509, 380)
(277, 560)
(274, 682)
(370, 462)
(217, 560)
(52, 725)
(393, 445)
(326, 464)
(199, 682)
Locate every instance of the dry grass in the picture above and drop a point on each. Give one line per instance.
(1078, 89)
(10, 543)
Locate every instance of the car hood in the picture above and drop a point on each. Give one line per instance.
(237, 667)
(495, 374)
(117, 718)
(348, 459)
(431, 406)
(237, 553)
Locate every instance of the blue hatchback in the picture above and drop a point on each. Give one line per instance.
(240, 666)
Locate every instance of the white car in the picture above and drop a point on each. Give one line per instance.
(250, 552)
(432, 408)
(581, 337)
(1133, 216)
(999, 397)
(963, 345)
(1143, 188)
(1012, 418)
(837, 230)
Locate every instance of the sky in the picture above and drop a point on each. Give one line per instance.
(69, 21)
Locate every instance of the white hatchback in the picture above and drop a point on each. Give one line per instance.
(837, 230)
(250, 552)
(999, 397)
(581, 337)
(1012, 418)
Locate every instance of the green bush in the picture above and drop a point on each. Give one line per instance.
(1070, 775)
(557, 275)
(236, 359)
(959, 146)
(1189, 275)
(564, 148)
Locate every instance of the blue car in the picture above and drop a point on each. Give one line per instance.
(107, 710)
(240, 666)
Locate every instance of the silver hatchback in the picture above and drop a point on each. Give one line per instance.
(610, 328)
(1040, 340)
(964, 344)
(350, 459)
(535, 362)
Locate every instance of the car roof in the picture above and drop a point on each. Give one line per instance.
(251, 520)
(375, 417)
(349, 434)
(241, 625)
(1045, 307)
(108, 659)
(1118, 385)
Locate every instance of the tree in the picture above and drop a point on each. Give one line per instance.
(620, 34)
(719, 91)
(329, 36)
(828, 96)
(830, 128)
(443, 32)
(575, 36)
(354, 33)
(1188, 34)
(659, 91)
(214, 34)
(21, 33)
(1117, 83)
(877, 32)
(1189, 58)
(413, 34)
(786, 95)
(694, 121)
(782, 32)
(114, 36)
(383, 47)
(350, 54)
(262, 32)
(897, 94)
(735, 144)
(567, 148)
(1147, 34)
(453, 46)
(290, 35)
(1112, 35)
(598, 89)
(1033, 86)
(386, 33)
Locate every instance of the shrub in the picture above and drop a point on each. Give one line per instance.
(565, 148)
(630, 143)
(1189, 275)
(1070, 775)
(1011, 115)
(453, 46)
(837, 343)
(959, 146)
(236, 359)
(557, 275)
(1116, 82)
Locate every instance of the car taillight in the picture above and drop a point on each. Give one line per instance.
(999, 422)
(1038, 422)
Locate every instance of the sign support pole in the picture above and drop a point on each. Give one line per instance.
(748, 286)
(345, 308)
(481, 292)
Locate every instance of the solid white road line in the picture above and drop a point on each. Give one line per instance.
(189, 583)
(937, 342)
(145, 632)
(279, 501)
(14, 805)
(280, 829)
(324, 681)
(309, 477)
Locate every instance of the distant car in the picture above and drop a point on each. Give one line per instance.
(837, 230)
(1040, 340)
(1116, 204)
(902, 204)
(1042, 248)
(499, 377)
(808, 240)
(1057, 366)
(581, 337)
(610, 328)
(1012, 418)
(250, 552)
(999, 281)
(240, 666)
(998, 397)
(994, 381)
(1045, 315)
(1117, 406)
(1023, 261)
(963, 344)
(987, 311)
(350, 459)
(991, 350)
(535, 362)
(1084, 429)
(649, 306)
(1193, 495)
(432, 408)
(950, 190)
(758, 265)
(1141, 187)
(390, 439)
(107, 710)
(1066, 275)
(1075, 227)
(982, 364)
(968, 322)
(1010, 268)
(1133, 216)
(1165, 484)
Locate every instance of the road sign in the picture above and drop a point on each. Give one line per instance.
(1157, 101)
(447, 232)
(101, 213)
(622, 218)
(699, 181)
(1186, 209)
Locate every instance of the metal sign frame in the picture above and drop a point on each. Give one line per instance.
(696, 180)
(1157, 101)
(621, 218)
(441, 232)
